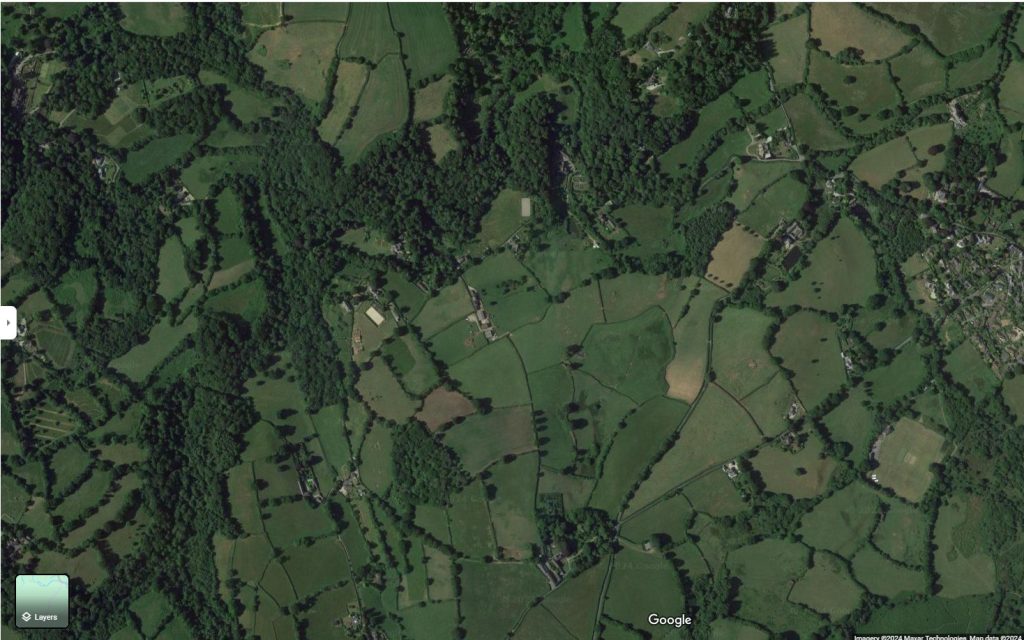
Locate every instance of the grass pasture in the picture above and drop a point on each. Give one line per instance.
(200, 176)
(685, 372)
(634, 447)
(442, 140)
(543, 344)
(153, 19)
(732, 256)
(827, 587)
(790, 59)
(919, 73)
(903, 534)
(883, 163)
(884, 577)
(575, 601)
(633, 17)
(780, 201)
(495, 594)
(840, 26)
(842, 522)
(140, 361)
(970, 369)
(766, 571)
(811, 126)
(905, 456)
(950, 31)
(631, 356)
(427, 39)
(383, 107)
(809, 347)
(384, 394)
(500, 222)
(156, 156)
(442, 406)
(803, 474)
(429, 100)
(483, 439)
(449, 306)
(895, 380)
(478, 380)
(846, 250)
(641, 583)
(512, 509)
(413, 365)
(348, 85)
(716, 431)
(738, 358)
(298, 56)
(963, 567)
(368, 33)
(173, 275)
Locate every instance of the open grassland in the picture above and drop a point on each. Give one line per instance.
(811, 126)
(963, 567)
(883, 163)
(495, 594)
(715, 494)
(732, 256)
(368, 33)
(853, 424)
(842, 522)
(635, 446)
(895, 380)
(740, 362)
(790, 59)
(884, 577)
(716, 431)
(201, 175)
(631, 356)
(140, 361)
(970, 369)
(959, 28)
(483, 439)
(502, 220)
(919, 73)
(442, 140)
(903, 534)
(478, 379)
(808, 346)
(383, 107)
(685, 373)
(298, 56)
(633, 17)
(429, 100)
(384, 394)
(348, 86)
(641, 583)
(153, 19)
(574, 604)
(840, 26)
(669, 517)
(427, 39)
(543, 344)
(803, 474)
(780, 201)
(766, 571)
(827, 587)
(512, 508)
(156, 155)
(846, 250)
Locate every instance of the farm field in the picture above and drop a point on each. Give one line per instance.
(514, 321)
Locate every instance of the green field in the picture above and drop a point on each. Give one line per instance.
(427, 39)
(845, 249)
(964, 568)
(843, 522)
(808, 346)
(155, 19)
(631, 356)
